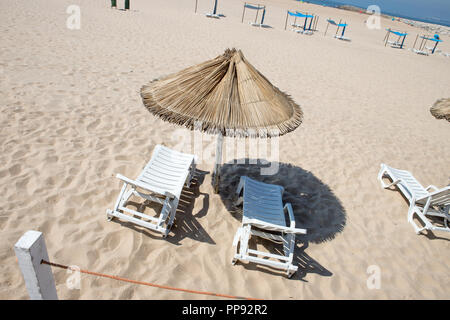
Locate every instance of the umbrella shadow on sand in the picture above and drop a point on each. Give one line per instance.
(186, 224)
(315, 208)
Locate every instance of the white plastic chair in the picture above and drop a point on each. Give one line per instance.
(161, 181)
(422, 202)
(263, 210)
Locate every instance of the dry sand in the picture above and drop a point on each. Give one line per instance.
(71, 117)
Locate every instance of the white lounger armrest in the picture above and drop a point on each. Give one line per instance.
(432, 186)
(288, 207)
(139, 184)
(274, 227)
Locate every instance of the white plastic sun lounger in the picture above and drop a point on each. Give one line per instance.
(339, 37)
(263, 210)
(422, 202)
(161, 181)
(212, 15)
(422, 52)
(395, 44)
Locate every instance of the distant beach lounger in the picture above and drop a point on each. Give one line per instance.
(395, 44)
(161, 181)
(422, 202)
(342, 38)
(212, 15)
(263, 210)
(338, 26)
(399, 43)
(305, 28)
(306, 32)
(422, 52)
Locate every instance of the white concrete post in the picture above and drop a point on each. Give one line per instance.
(30, 250)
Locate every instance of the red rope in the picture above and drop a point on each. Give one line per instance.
(146, 283)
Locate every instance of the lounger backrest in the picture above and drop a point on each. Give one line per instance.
(167, 170)
(263, 202)
(408, 184)
(438, 198)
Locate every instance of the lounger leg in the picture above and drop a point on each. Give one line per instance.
(412, 210)
(173, 209)
(236, 240)
(447, 218)
(166, 212)
(290, 273)
(191, 174)
(109, 217)
(240, 240)
(289, 252)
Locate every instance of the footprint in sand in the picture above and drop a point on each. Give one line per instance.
(92, 257)
(15, 170)
(91, 126)
(111, 241)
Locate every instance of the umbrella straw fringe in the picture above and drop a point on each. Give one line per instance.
(227, 95)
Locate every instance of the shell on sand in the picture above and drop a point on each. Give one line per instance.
(225, 94)
(441, 109)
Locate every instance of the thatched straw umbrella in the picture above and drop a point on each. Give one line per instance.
(226, 96)
(441, 109)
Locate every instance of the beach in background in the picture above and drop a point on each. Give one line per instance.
(72, 117)
(415, 10)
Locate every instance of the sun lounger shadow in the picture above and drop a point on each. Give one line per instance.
(306, 264)
(314, 204)
(315, 208)
(186, 224)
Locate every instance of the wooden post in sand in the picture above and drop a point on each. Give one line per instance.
(403, 41)
(195, 6)
(337, 30)
(424, 42)
(287, 17)
(315, 24)
(435, 46)
(387, 37)
(257, 13)
(30, 251)
(306, 20)
(243, 12)
(414, 46)
(310, 23)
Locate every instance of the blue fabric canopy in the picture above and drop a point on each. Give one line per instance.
(299, 14)
(397, 33)
(254, 7)
(336, 24)
(432, 39)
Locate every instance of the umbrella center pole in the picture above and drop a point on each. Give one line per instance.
(216, 172)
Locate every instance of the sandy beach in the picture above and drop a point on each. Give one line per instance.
(72, 117)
